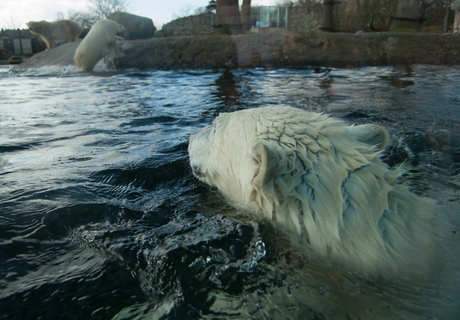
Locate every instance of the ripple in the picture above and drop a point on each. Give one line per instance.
(100, 216)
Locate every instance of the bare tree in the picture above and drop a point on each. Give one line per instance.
(85, 19)
(13, 22)
(246, 14)
(103, 8)
(199, 10)
(60, 16)
(328, 15)
(446, 17)
(227, 13)
(184, 11)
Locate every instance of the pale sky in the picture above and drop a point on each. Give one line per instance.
(15, 13)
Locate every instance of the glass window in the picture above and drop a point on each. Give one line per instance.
(283, 16)
(264, 17)
(273, 17)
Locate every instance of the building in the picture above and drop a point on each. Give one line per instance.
(269, 17)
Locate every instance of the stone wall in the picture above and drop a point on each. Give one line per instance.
(201, 52)
(305, 18)
(189, 26)
(293, 49)
(283, 49)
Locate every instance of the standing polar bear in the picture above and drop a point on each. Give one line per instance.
(100, 38)
(323, 180)
(63, 30)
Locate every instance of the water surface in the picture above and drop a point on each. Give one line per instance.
(101, 218)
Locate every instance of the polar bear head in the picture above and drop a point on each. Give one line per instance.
(122, 31)
(36, 27)
(259, 158)
(315, 176)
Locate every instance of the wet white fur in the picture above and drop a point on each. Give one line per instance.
(324, 181)
(100, 38)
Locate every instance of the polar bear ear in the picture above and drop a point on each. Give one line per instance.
(370, 134)
(271, 160)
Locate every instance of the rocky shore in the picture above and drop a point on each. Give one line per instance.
(273, 49)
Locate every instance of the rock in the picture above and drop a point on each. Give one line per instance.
(58, 57)
(195, 25)
(203, 52)
(138, 27)
(16, 59)
(280, 49)
(5, 54)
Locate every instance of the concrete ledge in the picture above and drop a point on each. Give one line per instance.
(275, 49)
(179, 52)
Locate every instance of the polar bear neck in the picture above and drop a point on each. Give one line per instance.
(323, 181)
(336, 192)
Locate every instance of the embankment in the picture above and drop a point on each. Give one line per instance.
(274, 49)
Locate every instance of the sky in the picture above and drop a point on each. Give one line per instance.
(15, 13)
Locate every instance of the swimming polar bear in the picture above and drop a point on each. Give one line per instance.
(101, 37)
(64, 30)
(324, 181)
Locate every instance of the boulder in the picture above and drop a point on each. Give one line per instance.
(16, 59)
(61, 56)
(138, 27)
(196, 25)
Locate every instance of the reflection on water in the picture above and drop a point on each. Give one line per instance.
(100, 217)
(227, 89)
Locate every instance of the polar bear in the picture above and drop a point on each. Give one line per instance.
(63, 30)
(323, 181)
(100, 38)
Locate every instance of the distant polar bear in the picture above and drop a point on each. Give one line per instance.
(63, 30)
(100, 38)
(324, 181)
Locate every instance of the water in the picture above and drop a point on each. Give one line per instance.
(101, 218)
